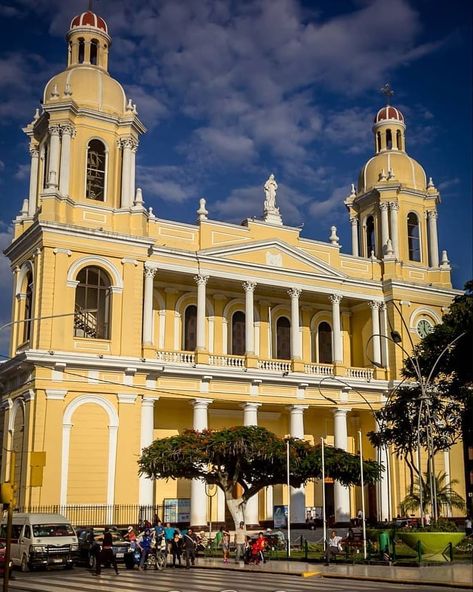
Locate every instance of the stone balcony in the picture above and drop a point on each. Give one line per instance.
(274, 366)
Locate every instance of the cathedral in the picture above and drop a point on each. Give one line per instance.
(128, 327)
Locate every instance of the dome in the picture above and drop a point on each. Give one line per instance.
(390, 113)
(404, 170)
(87, 86)
(89, 19)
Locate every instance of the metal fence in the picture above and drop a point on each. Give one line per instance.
(100, 515)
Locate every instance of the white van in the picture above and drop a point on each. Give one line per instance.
(41, 540)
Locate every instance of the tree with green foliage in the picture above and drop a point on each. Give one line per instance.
(250, 457)
(444, 361)
(446, 497)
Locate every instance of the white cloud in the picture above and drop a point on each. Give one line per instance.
(168, 183)
(331, 205)
(22, 171)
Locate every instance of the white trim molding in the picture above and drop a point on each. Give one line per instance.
(117, 280)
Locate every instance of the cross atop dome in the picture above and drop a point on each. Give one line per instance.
(388, 92)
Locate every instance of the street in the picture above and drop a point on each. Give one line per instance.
(193, 580)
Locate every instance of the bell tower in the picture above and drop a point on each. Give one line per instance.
(83, 142)
(393, 209)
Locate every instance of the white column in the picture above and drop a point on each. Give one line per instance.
(374, 305)
(433, 238)
(336, 326)
(294, 293)
(354, 236)
(33, 193)
(54, 145)
(394, 207)
(127, 145)
(131, 191)
(383, 206)
(146, 497)
(150, 272)
(249, 288)
(341, 493)
(250, 418)
(198, 495)
(67, 134)
(201, 281)
(297, 493)
(384, 331)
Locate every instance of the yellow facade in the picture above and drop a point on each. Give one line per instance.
(106, 367)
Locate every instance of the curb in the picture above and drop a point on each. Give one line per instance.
(334, 576)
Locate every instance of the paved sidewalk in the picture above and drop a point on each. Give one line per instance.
(455, 575)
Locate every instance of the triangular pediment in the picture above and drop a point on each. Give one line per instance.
(272, 254)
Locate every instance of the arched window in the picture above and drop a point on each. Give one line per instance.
(92, 304)
(94, 51)
(389, 139)
(28, 307)
(95, 186)
(324, 343)
(81, 53)
(413, 237)
(190, 328)
(399, 140)
(45, 165)
(238, 334)
(283, 339)
(370, 240)
(378, 139)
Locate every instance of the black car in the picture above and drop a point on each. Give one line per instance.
(90, 537)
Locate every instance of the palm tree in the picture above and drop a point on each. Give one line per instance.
(447, 497)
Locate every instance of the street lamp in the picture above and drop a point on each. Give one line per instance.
(347, 387)
(210, 491)
(424, 384)
(288, 481)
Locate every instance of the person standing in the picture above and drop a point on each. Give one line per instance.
(176, 549)
(468, 526)
(144, 544)
(106, 555)
(240, 541)
(189, 544)
(225, 545)
(218, 538)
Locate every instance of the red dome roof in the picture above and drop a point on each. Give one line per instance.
(89, 19)
(388, 112)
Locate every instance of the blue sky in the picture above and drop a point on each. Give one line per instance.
(233, 90)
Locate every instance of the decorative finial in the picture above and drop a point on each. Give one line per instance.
(202, 211)
(271, 212)
(444, 262)
(150, 214)
(36, 115)
(54, 92)
(387, 91)
(135, 111)
(138, 198)
(430, 184)
(389, 249)
(353, 190)
(382, 175)
(68, 90)
(24, 208)
(129, 106)
(333, 238)
(390, 174)
(91, 5)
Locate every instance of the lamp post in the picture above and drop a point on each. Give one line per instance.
(425, 385)
(210, 491)
(288, 479)
(348, 387)
(324, 513)
(362, 494)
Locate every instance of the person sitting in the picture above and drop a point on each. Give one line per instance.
(144, 543)
(334, 546)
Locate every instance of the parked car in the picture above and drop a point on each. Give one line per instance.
(89, 537)
(41, 540)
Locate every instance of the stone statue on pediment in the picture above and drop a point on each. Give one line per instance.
(271, 212)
